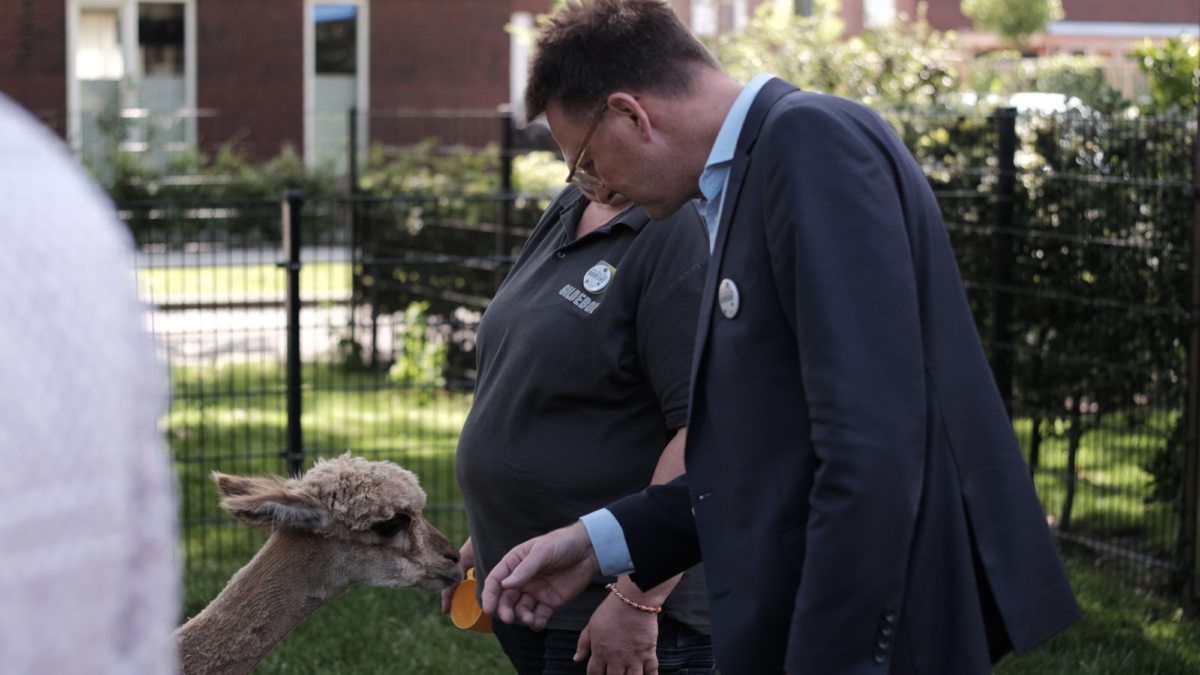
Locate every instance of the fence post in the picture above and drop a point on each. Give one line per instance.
(293, 203)
(505, 115)
(352, 151)
(1002, 199)
(1189, 526)
(352, 238)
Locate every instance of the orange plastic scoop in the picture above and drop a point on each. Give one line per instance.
(465, 609)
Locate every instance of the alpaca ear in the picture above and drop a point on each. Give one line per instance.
(269, 502)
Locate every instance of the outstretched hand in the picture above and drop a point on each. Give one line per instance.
(539, 576)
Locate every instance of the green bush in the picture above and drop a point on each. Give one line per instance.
(1013, 20)
(420, 362)
(905, 65)
(1082, 77)
(1174, 72)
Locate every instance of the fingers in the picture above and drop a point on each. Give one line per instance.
(524, 610)
(493, 591)
(448, 598)
(583, 648)
(528, 566)
(506, 605)
(533, 613)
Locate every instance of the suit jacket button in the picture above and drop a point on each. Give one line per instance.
(883, 644)
(880, 656)
(887, 630)
(889, 614)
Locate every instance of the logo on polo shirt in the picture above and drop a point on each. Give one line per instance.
(579, 298)
(597, 278)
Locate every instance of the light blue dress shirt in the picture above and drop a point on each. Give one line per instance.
(608, 539)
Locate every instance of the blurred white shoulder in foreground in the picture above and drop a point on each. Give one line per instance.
(88, 568)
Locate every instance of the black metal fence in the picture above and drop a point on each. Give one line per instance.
(1074, 238)
(1073, 235)
(311, 327)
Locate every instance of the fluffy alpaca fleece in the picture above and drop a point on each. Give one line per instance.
(347, 521)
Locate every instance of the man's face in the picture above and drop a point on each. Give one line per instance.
(629, 163)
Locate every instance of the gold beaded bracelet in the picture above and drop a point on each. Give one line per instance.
(637, 606)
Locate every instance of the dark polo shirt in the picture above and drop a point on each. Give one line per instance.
(584, 358)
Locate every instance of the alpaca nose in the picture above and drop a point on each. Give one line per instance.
(453, 555)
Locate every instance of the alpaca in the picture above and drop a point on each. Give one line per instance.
(347, 521)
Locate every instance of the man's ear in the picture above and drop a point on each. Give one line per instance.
(633, 109)
(269, 502)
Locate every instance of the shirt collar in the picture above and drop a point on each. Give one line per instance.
(727, 138)
(634, 217)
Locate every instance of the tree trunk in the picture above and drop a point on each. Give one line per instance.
(1074, 436)
(1035, 446)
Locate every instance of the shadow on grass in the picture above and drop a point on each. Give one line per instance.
(1122, 633)
(380, 631)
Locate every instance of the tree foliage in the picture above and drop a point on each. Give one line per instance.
(1174, 73)
(1080, 77)
(906, 65)
(1013, 20)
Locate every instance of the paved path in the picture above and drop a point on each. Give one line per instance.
(207, 329)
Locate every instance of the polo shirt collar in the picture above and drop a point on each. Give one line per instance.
(634, 218)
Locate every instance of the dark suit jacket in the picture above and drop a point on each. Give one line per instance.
(860, 500)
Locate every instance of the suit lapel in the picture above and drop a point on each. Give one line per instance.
(769, 95)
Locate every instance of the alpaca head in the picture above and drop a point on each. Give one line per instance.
(366, 515)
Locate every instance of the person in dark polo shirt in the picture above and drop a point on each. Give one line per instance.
(584, 360)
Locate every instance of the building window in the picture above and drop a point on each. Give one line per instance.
(98, 56)
(162, 82)
(336, 80)
(161, 39)
(131, 79)
(878, 13)
(705, 19)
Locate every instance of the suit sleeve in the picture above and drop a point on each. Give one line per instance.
(660, 531)
(842, 262)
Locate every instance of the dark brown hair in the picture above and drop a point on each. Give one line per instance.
(591, 48)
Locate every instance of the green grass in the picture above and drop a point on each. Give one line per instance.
(241, 279)
(1122, 633)
(1110, 499)
(373, 630)
(232, 418)
(378, 631)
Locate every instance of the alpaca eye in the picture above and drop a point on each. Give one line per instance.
(390, 527)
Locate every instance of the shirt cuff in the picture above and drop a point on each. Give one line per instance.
(608, 540)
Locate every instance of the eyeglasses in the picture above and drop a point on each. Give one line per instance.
(579, 176)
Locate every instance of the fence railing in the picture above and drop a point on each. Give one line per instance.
(1073, 235)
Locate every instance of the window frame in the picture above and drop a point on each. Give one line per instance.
(362, 73)
(127, 13)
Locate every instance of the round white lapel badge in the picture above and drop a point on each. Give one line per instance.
(597, 278)
(728, 298)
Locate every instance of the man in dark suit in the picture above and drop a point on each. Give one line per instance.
(853, 483)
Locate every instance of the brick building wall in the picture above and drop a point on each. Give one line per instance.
(33, 57)
(946, 15)
(250, 74)
(424, 54)
(1158, 11)
(441, 55)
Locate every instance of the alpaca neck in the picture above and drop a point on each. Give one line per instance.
(289, 579)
